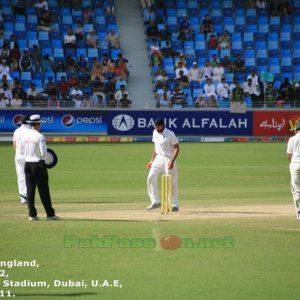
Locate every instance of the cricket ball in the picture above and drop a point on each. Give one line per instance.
(170, 242)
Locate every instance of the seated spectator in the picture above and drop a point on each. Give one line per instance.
(69, 39)
(185, 25)
(212, 42)
(200, 102)
(285, 89)
(6, 94)
(224, 41)
(181, 62)
(238, 65)
(194, 73)
(85, 79)
(295, 94)
(97, 71)
(124, 102)
(147, 3)
(165, 101)
(88, 15)
(92, 39)
(36, 66)
(50, 87)
(63, 87)
(160, 92)
(77, 99)
(59, 67)
(181, 67)
(168, 51)
(19, 7)
(164, 34)
(247, 88)
(79, 31)
(280, 100)
(152, 31)
(178, 96)
(100, 102)
(214, 61)
(76, 94)
(15, 53)
(17, 88)
(82, 64)
(98, 90)
(156, 58)
(14, 64)
(261, 4)
(182, 80)
(5, 81)
(218, 72)
(112, 103)
(223, 90)
(226, 64)
(182, 36)
(12, 42)
(44, 22)
(211, 102)
(53, 101)
(206, 25)
(71, 65)
(270, 95)
(120, 92)
(161, 80)
(233, 85)
(25, 63)
(35, 54)
(149, 16)
(73, 80)
(86, 100)
(121, 71)
(206, 71)
(33, 95)
(110, 8)
(209, 89)
(42, 6)
(237, 94)
(16, 101)
(46, 63)
(4, 52)
(112, 39)
(280, 8)
(4, 69)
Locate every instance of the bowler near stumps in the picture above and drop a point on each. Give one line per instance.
(163, 160)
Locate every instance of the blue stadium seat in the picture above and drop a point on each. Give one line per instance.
(81, 51)
(58, 53)
(32, 19)
(26, 76)
(91, 53)
(32, 42)
(43, 35)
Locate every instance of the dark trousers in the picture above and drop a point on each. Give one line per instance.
(37, 175)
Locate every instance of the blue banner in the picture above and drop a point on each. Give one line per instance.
(189, 123)
(134, 123)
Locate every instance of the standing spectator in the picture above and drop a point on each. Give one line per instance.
(25, 63)
(206, 25)
(237, 94)
(247, 88)
(35, 151)
(79, 31)
(164, 34)
(270, 95)
(285, 89)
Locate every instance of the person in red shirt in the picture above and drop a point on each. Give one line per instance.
(63, 87)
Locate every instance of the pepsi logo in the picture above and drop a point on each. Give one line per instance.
(17, 120)
(68, 120)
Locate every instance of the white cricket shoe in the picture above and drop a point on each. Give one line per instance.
(23, 199)
(153, 206)
(36, 218)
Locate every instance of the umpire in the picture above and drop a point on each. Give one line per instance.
(36, 174)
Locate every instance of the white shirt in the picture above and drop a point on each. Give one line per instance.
(184, 69)
(210, 90)
(194, 74)
(247, 88)
(218, 73)
(293, 147)
(69, 39)
(35, 148)
(17, 138)
(164, 142)
(223, 90)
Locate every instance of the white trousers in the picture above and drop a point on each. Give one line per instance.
(160, 165)
(20, 165)
(295, 185)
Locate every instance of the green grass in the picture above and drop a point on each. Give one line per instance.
(263, 264)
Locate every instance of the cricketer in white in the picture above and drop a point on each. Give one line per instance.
(19, 158)
(293, 154)
(164, 154)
